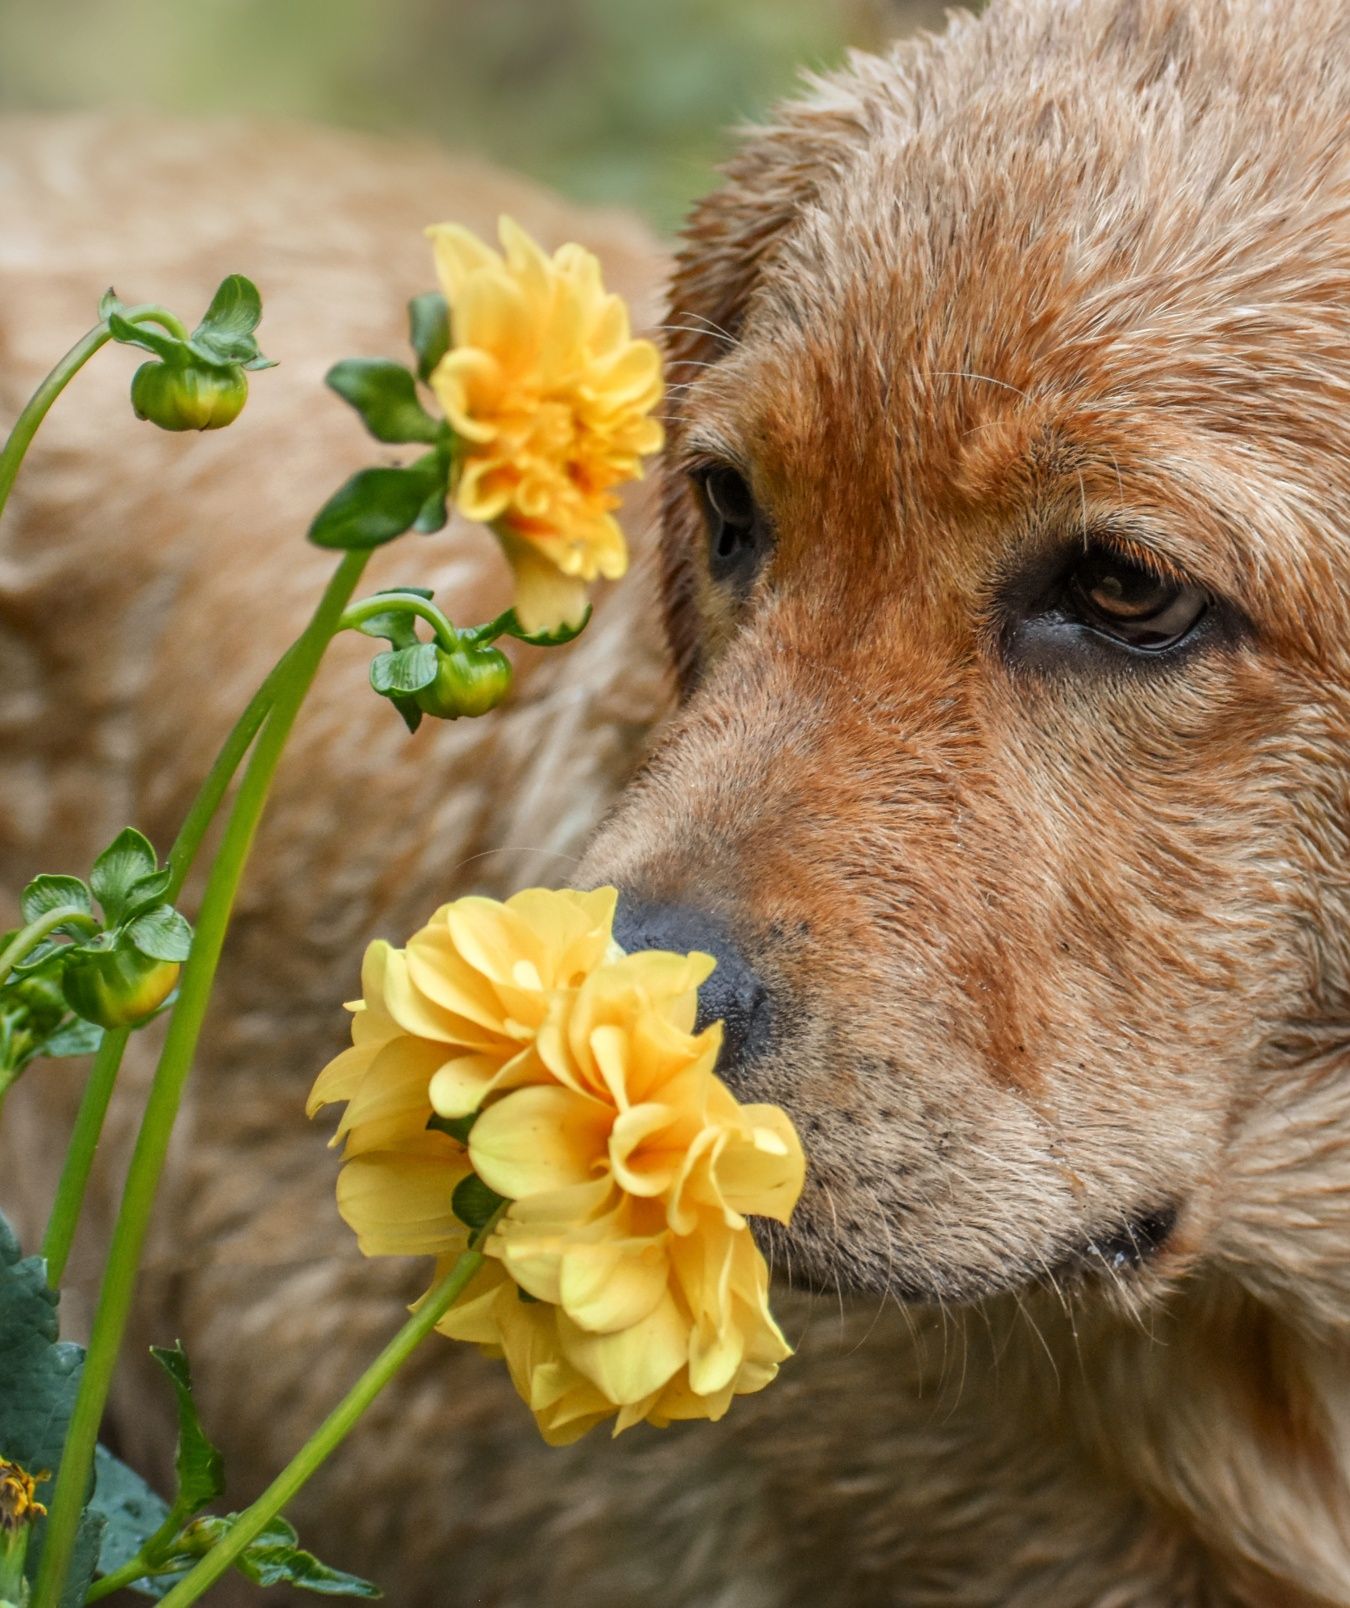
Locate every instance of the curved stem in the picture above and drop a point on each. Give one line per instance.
(212, 790)
(26, 940)
(38, 405)
(60, 1235)
(329, 1434)
(402, 603)
(166, 1091)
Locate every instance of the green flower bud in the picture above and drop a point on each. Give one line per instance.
(195, 396)
(469, 681)
(117, 987)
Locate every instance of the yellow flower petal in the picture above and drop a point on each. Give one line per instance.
(398, 1200)
(539, 1139)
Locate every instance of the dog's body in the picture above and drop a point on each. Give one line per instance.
(985, 348)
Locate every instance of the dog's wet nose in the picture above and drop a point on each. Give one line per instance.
(733, 995)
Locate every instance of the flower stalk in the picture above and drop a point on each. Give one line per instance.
(152, 1143)
(65, 1216)
(39, 404)
(334, 1429)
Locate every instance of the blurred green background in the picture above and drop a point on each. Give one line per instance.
(623, 101)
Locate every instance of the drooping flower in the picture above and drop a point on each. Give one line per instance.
(622, 1280)
(551, 399)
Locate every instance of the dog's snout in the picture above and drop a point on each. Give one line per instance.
(733, 995)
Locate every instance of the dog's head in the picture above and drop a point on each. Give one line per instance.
(1005, 567)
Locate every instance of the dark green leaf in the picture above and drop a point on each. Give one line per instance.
(162, 934)
(75, 1037)
(433, 513)
(457, 1127)
(149, 339)
(473, 1202)
(47, 893)
(385, 395)
(39, 1378)
(132, 1513)
(428, 330)
(410, 710)
(201, 1473)
(127, 860)
(405, 670)
(376, 505)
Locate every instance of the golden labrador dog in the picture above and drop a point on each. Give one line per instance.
(1004, 571)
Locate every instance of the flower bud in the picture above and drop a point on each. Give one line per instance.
(469, 681)
(193, 396)
(117, 987)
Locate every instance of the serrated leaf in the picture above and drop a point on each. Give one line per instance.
(199, 1465)
(75, 1037)
(47, 893)
(161, 933)
(404, 671)
(132, 1513)
(38, 1383)
(274, 1558)
(376, 505)
(428, 330)
(127, 860)
(149, 339)
(385, 395)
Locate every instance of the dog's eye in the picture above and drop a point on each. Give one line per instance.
(1129, 603)
(736, 531)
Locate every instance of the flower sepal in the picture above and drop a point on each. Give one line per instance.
(197, 381)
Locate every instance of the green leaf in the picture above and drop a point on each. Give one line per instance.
(162, 934)
(39, 1378)
(236, 308)
(273, 1558)
(376, 505)
(404, 671)
(428, 330)
(73, 1037)
(398, 625)
(148, 338)
(127, 860)
(410, 710)
(200, 1467)
(47, 893)
(433, 513)
(457, 1127)
(225, 335)
(131, 1512)
(109, 302)
(146, 892)
(473, 1202)
(508, 625)
(385, 395)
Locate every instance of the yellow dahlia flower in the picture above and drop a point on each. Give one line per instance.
(551, 399)
(622, 1280)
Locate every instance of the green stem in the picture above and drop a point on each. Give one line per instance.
(329, 1434)
(402, 603)
(65, 1215)
(212, 790)
(29, 937)
(166, 1091)
(38, 405)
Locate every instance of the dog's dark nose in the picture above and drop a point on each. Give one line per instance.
(733, 995)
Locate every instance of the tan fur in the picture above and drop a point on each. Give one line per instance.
(1049, 949)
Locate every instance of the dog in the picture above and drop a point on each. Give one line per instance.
(1003, 566)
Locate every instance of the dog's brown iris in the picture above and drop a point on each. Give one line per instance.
(1132, 603)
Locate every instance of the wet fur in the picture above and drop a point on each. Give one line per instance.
(1055, 951)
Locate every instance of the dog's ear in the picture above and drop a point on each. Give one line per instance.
(730, 237)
